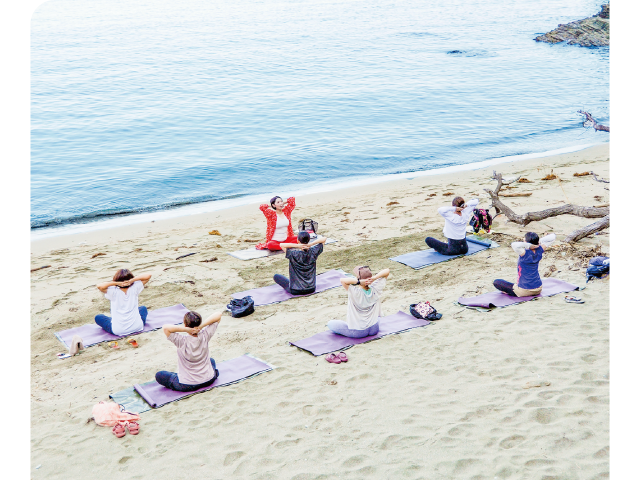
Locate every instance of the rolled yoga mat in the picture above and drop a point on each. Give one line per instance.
(251, 253)
(92, 334)
(275, 293)
(550, 286)
(424, 258)
(327, 341)
(231, 371)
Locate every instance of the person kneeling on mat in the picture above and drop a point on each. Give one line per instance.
(363, 303)
(456, 219)
(195, 367)
(530, 253)
(302, 265)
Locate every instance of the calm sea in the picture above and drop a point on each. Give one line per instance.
(141, 105)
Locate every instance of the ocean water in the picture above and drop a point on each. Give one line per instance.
(143, 105)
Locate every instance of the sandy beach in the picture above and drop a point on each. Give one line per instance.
(520, 392)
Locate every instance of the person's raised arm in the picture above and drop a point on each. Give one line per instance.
(142, 278)
(521, 247)
(104, 286)
(169, 329)
(447, 212)
(264, 208)
(348, 281)
(290, 205)
(469, 206)
(545, 242)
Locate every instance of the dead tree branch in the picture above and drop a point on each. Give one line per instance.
(501, 182)
(588, 230)
(567, 209)
(589, 121)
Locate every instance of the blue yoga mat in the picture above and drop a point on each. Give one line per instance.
(424, 258)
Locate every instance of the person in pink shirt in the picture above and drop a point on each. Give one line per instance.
(196, 369)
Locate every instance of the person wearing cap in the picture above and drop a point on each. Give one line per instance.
(363, 303)
(302, 265)
(279, 228)
(456, 219)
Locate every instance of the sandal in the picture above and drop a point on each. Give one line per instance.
(570, 299)
(118, 430)
(343, 357)
(133, 427)
(114, 345)
(132, 342)
(333, 358)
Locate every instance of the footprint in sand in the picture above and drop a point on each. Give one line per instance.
(512, 441)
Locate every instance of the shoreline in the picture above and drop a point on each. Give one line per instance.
(208, 207)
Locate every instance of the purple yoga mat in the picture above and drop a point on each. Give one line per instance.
(327, 341)
(231, 371)
(550, 286)
(275, 293)
(92, 334)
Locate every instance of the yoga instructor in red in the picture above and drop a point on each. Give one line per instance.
(279, 228)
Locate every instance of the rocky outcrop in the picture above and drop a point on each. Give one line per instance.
(589, 32)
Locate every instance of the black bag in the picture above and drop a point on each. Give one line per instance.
(308, 224)
(481, 220)
(241, 307)
(433, 315)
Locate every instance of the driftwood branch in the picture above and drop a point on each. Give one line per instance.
(502, 182)
(589, 121)
(588, 230)
(567, 209)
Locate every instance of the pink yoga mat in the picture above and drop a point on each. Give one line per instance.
(550, 286)
(327, 341)
(231, 371)
(275, 293)
(92, 334)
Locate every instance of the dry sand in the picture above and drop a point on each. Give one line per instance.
(520, 392)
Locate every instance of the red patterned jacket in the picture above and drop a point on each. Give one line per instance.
(272, 219)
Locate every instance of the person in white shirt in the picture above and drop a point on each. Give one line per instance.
(126, 316)
(364, 306)
(456, 219)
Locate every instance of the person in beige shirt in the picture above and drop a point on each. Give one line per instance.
(196, 369)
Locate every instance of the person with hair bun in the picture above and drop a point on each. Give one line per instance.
(364, 304)
(196, 369)
(279, 228)
(530, 253)
(126, 316)
(456, 219)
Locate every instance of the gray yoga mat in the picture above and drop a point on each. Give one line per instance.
(424, 258)
(327, 341)
(252, 253)
(153, 395)
(92, 333)
(275, 293)
(550, 286)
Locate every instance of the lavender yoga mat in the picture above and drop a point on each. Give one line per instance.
(327, 341)
(550, 286)
(275, 293)
(92, 334)
(424, 258)
(231, 371)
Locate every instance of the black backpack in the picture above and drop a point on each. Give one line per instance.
(481, 220)
(241, 307)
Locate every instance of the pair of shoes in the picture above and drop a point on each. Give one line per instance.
(340, 357)
(570, 299)
(120, 429)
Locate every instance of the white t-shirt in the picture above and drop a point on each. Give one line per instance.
(455, 226)
(364, 307)
(280, 234)
(125, 317)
